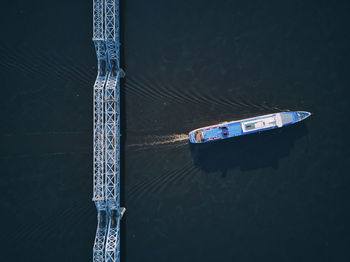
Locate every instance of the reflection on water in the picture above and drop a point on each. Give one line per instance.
(247, 152)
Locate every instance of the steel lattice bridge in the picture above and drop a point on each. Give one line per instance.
(106, 169)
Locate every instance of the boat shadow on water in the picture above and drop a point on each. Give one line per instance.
(247, 152)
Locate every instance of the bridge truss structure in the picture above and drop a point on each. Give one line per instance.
(106, 131)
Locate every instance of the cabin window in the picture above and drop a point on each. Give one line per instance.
(249, 126)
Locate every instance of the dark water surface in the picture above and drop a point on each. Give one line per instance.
(277, 196)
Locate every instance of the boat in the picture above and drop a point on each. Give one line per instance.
(245, 126)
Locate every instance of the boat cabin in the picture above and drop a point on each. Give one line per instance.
(262, 123)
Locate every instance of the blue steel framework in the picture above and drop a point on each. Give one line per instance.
(98, 167)
(107, 131)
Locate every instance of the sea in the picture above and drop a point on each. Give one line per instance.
(281, 195)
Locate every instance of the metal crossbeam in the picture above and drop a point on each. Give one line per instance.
(98, 35)
(107, 131)
(112, 166)
(99, 189)
(112, 35)
(112, 142)
(98, 133)
(100, 238)
(112, 245)
(112, 131)
(112, 30)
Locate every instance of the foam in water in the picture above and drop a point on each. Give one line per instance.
(162, 140)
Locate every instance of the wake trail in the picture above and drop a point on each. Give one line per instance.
(162, 140)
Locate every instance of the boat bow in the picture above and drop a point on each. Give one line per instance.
(302, 115)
